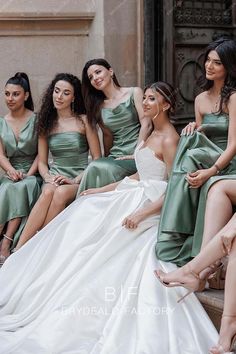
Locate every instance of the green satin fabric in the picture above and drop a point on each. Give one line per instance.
(21, 153)
(69, 152)
(182, 219)
(17, 198)
(123, 122)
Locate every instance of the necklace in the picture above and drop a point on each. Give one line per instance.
(215, 107)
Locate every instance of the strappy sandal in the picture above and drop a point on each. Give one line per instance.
(220, 350)
(216, 280)
(3, 258)
(196, 284)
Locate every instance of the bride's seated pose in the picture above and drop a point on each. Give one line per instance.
(85, 284)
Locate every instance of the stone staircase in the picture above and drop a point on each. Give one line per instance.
(212, 301)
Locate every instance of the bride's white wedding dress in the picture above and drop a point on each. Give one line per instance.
(85, 284)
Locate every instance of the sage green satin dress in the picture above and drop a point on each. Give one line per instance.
(182, 219)
(17, 198)
(69, 151)
(123, 122)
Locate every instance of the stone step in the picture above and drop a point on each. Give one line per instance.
(212, 300)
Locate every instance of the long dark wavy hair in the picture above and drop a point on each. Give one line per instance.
(166, 90)
(93, 99)
(47, 115)
(21, 79)
(226, 49)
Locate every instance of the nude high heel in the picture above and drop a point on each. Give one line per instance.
(196, 284)
(216, 280)
(220, 350)
(233, 344)
(3, 258)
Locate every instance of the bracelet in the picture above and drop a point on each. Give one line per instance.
(217, 168)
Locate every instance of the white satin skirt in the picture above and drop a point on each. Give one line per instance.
(85, 285)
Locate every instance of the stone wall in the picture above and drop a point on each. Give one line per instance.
(45, 37)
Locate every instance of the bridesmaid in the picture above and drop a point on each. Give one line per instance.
(102, 245)
(118, 112)
(19, 186)
(204, 156)
(65, 132)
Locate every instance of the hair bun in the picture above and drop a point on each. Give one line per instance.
(22, 75)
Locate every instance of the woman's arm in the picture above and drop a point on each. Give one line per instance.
(33, 168)
(132, 221)
(169, 146)
(192, 126)
(228, 234)
(198, 178)
(5, 164)
(107, 139)
(43, 159)
(108, 187)
(230, 150)
(93, 140)
(146, 123)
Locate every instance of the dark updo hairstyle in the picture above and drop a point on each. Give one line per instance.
(47, 115)
(166, 90)
(21, 79)
(226, 49)
(93, 99)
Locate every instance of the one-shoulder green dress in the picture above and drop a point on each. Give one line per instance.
(123, 122)
(182, 219)
(69, 151)
(17, 198)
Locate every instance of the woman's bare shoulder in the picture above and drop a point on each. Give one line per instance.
(203, 95)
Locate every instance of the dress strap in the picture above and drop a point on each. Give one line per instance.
(131, 96)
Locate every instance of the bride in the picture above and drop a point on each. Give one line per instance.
(85, 284)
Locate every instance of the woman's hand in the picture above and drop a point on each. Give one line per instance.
(132, 221)
(15, 175)
(228, 234)
(49, 179)
(60, 180)
(189, 129)
(198, 178)
(127, 157)
(92, 191)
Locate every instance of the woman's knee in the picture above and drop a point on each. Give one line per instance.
(47, 192)
(223, 188)
(62, 196)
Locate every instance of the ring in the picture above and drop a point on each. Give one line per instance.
(85, 193)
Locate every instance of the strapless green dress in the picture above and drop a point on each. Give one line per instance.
(17, 198)
(182, 219)
(69, 151)
(123, 122)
